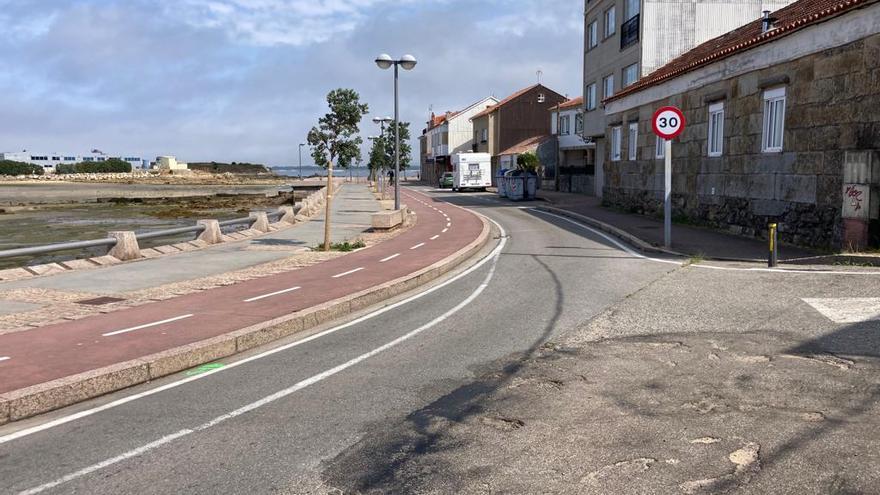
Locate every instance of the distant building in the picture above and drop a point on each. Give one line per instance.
(577, 170)
(447, 134)
(51, 160)
(170, 163)
(513, 121)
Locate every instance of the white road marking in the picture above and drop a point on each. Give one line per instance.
(131, 398)
(445, 230)
(418, 245)
(5, 358)
(148, 325)
(436, 236)
(264, 296)
(493, 256)
(448, 224)
(847, 309)
(340, 275)
(383, 260)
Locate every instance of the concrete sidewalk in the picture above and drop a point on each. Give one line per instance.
(352, 207)
(689, 240)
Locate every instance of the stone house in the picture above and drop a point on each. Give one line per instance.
(783, 125)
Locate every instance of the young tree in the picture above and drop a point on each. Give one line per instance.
(528, 162)
(335, 140)
(405, 148)
(378, 157)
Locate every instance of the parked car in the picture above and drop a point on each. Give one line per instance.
(445, 180)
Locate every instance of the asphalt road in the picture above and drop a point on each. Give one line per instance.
(270, 423)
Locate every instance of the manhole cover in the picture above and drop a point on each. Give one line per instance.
(100, 301)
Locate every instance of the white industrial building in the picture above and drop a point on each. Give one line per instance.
(50, 160)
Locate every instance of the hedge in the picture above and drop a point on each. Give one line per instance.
(112, 165)
(9, 167)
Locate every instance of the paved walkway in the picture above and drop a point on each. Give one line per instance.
(685, 239)
(352, 208)
(105, 339)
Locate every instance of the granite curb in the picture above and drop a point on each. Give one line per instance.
(55, 394)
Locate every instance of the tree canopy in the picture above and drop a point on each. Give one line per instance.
(334, 139)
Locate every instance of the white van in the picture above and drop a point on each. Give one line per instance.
(471, 171)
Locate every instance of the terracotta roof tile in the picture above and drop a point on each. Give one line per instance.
(787, 20)
(529, 144)
(572, 103)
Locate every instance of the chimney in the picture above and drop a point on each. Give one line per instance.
(766, 22)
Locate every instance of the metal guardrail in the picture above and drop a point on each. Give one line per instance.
(110, 242)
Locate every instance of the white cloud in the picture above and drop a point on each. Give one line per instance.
(278, 22)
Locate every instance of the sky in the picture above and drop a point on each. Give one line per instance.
(244, 80)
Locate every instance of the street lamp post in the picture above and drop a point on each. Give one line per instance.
(301, 160)
(408, 62)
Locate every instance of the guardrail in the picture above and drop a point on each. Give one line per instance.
(111, 242)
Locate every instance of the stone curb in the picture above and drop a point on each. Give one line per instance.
(621, 234)
(45, 397)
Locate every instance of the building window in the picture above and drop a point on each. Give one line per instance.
(660, 148)
(591, 96)
(485, 136)
(565, 125)
(541, 98)
(69, 158)
(632, 144)
(608, 86)
(610, 22)
(88, 159)
(593, 33)
(579, 124)
(615, 144)
(716, 129)
(56, 158)
(774, 120)
(630, 74)
(632, 8)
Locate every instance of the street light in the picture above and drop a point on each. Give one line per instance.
(301, 160)
(408, 62)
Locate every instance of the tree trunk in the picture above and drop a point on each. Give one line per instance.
(328, 199)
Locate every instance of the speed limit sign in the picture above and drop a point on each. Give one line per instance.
(668, 122)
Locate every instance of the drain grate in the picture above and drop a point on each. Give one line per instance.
(100, 301)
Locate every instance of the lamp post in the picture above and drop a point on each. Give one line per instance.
(408, 62)
(301, 160)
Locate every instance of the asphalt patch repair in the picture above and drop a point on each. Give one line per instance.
(677, 413)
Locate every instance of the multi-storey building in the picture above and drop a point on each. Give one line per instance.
(625, 40)
(50, 160)
(516, 119)
(448, 134)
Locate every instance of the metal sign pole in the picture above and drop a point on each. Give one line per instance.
(667, 196)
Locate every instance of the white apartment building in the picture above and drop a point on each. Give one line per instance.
(50, 160)
(450, 133)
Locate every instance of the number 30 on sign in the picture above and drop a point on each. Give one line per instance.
(668, 122)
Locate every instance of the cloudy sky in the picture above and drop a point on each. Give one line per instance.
(244, 80)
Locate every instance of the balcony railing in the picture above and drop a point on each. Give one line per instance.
(629, 32)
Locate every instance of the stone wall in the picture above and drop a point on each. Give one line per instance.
(832, 105)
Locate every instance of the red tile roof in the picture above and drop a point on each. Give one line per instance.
(572, 103)
(787, 20)
(505, 101)
(530, 144)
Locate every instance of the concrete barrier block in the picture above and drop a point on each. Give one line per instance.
(150, 253)
(261, 221)
(287, 214)
(126, 247)
(185, 246)
(185, 357)
(270, 333)
(106, 260)
(211, 234)
(14, 274)
(387, 219)
(77, 264)
(167, 249)
(4, 410)
(46, 269)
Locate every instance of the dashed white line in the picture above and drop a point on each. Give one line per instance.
(418, 245)
(395, 255)
(264, 296)
(445, 230)
(147, 325)
(348, 272)
(448, 224)
(5, 358)
(436, 236)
